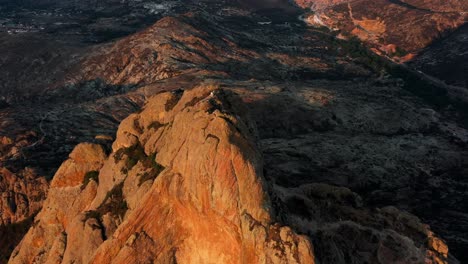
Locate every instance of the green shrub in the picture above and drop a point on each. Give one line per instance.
(151, 175)
(133, 154)
(90, 175)
(93, 214)
(137, 126)
(156, 169)
(114, 202)
(399, 52)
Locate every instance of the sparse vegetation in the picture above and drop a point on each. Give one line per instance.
(137, 126)
(90, 176)
(155, 125)
(156, 169)
(114, 203)
(100, 226)
(132, 154)
(433, 94)
(399, 52)
(174, 100)
(88, 90)
(92, 214)
(135, 154)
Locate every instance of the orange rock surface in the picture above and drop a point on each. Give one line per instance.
(208, 202)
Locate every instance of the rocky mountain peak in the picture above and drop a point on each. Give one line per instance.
(183, 184)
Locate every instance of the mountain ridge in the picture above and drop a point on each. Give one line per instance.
(317, 101)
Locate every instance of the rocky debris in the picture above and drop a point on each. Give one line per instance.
(206, 201)
(21, 195)
(185, 175)
(389, 150)
(343, 230)
(64, 201)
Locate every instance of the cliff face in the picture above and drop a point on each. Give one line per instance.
(40, 124)
(183, 184)
(395, 28)
(22, 196)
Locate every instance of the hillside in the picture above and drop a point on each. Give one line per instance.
(273, 140)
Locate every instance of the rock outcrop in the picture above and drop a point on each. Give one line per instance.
(409, 25)
(183, 184)
(106, 83)
(21, 195)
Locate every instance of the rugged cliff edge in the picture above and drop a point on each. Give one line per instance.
(183, 184)
(395, 28)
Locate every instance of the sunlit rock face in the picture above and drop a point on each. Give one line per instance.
(183, 184)
(408, 25)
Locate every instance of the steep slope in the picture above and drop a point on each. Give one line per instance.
(198, 198)
(430, 5)
(335, 131)
(446, 59)
(395, 28)
(42, 122)
(184, 184)
(379, 142)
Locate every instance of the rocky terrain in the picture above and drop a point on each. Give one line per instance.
(184, 183)
(446, 59)
(340, 151)
(186, 202)
(87, 21)
(419, 32)
(393, 27)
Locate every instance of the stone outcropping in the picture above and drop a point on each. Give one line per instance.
(183, 184)
(394, 28)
